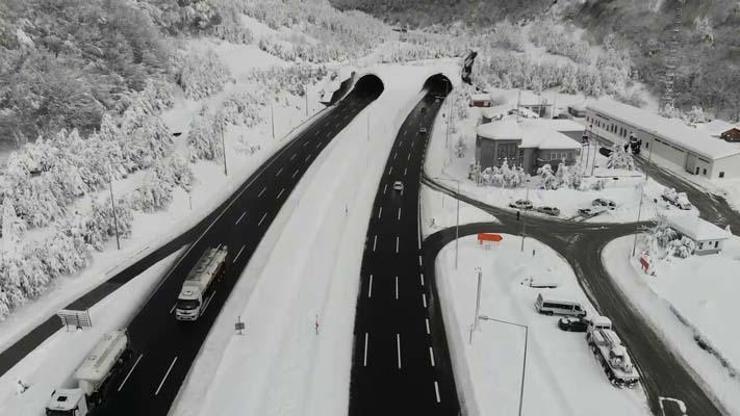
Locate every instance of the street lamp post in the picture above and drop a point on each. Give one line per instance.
(223, 146)
(457, 221)
(474, 326)
(524, 360)
(113, 205)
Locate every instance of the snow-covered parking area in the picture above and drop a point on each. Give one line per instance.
(562, 376)
(704, 291)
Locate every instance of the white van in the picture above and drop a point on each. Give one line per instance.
(548, 306)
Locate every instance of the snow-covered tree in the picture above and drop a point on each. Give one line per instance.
(100, 225)
(201, 75)
(620, 159)
(204, 139)
(12, 232)
(548, 180)
(153, 194)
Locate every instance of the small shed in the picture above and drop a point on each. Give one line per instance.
(708, 237)
(731, 135)
(577, 110)
(480, 100)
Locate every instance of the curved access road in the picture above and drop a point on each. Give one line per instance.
(663, 374)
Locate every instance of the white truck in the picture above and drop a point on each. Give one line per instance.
(106, 359)
(678, 199)
(611, 354)
(195, 294)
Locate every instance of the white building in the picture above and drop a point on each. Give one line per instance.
(695, 150)
(708, 237)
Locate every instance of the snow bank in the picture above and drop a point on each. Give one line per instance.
(562, 376)
(703, 290)
(52, 364)
(439, 210)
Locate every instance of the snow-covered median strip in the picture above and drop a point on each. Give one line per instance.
(439, 211)
(703, 290)
(562, 375)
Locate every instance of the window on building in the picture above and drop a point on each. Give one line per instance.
(647, 145)
(704, 171)
(701, 246)
(716, 244)
(721, 174)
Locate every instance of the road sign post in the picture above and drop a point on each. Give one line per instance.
(80, 319)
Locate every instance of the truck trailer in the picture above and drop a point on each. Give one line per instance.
(92, 377)
(196, 290)
(611, 354)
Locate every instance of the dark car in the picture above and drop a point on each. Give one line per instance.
(573, 324)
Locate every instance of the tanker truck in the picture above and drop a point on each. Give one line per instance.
(196, 292)
(92, 377)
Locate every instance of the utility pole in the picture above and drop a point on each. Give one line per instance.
(113, 205)
(223, 146)
(305, 91)
(593, 165)
(639, 210)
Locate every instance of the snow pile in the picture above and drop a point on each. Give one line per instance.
(562, 375)
(699, 290)
(439, 211)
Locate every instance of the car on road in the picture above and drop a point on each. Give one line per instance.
(591, 211)
(423, 130)
(398, 186)
(603, 202)
(554, 211)
(423, 110)
(571, 324)
(521, 204)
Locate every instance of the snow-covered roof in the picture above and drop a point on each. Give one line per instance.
(696, 140)
(695, 228)
(715, 127)
(532, 133)
(480, 97)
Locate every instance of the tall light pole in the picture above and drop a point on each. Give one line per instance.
(457, 221)
(223, 146)
(524, 360)
(113, 205)
(474, 325)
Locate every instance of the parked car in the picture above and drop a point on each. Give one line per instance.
(549, 210)
(547, 306)
(592, 211)
(521, 204)
(567, 323)
(603, 202)
(398, 186)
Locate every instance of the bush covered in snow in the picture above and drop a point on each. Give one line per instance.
(204, 139)
(201, 74)
(620, 159)
(556, 40)
(242, 108)
(503, 176)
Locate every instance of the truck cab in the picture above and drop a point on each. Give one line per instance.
(196, 291)
(67, 402)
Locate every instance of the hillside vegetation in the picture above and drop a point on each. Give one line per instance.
(705, 48)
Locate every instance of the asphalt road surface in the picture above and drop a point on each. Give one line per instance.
(400, 362)
(662, 374)
(164, 348)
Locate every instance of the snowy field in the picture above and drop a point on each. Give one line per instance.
(562, 376)
(53, 363)
(281, 366)
(622, 187)
(439, 211)
(702, 289)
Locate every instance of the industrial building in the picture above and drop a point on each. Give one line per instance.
(528, 143)
(699, 151)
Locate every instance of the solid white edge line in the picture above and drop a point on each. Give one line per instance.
(398, 349)
(238, 254)
(161, 383)
(370, 288)
(436, 391)
(431, 355)
(262, 219)
(130, 371)
(240, 217)
(364, 356)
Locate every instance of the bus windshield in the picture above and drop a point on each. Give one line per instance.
(186, 305)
